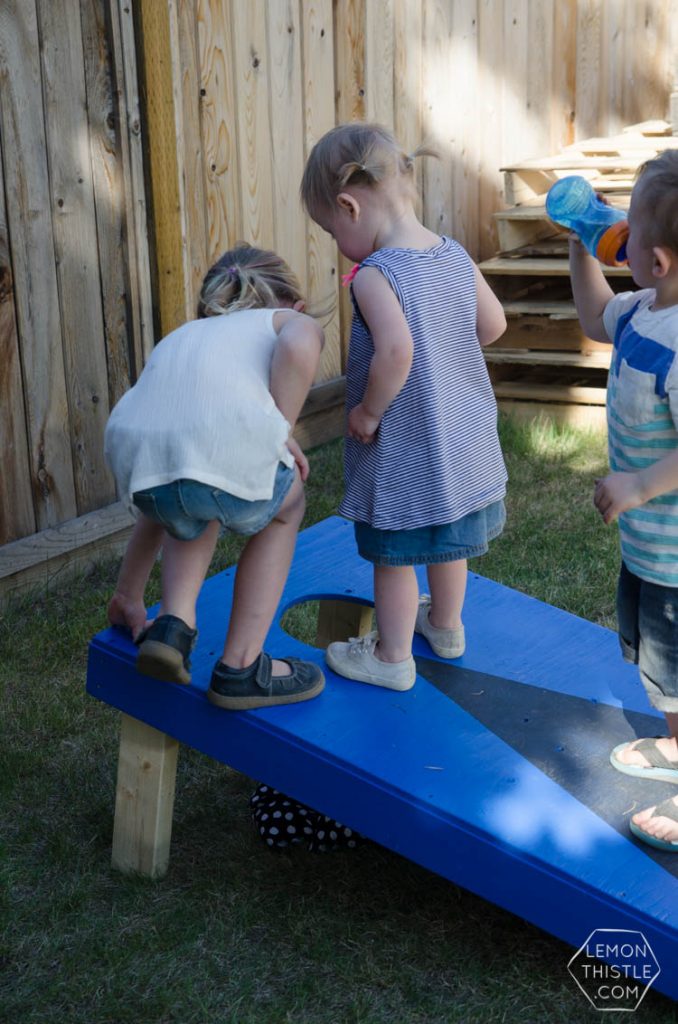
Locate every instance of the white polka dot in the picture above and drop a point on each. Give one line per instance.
(292, 830)
(274, 830)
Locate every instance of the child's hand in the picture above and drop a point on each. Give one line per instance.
(617, 493)
(362, 425)
(300, 459)
(128, 613)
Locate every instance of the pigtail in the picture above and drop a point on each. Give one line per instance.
(247, 278)
(354, 173)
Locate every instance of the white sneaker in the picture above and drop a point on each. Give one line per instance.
(356, 660)
(447, 643)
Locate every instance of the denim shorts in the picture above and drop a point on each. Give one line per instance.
(186, 507)
(467, 537)
(647, 614)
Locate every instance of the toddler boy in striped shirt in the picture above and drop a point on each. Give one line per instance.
(641, 491)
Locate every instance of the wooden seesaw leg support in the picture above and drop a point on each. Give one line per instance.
(144, 800)
(338, 620)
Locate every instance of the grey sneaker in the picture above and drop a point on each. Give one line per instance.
(356, 660)
(447, 643)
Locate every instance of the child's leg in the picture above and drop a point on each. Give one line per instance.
(184, 567)
(447, 586)
(126, 607)
(396, 598)
(384, 658)
(261, 575)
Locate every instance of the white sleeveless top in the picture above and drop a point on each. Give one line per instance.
(202, 410)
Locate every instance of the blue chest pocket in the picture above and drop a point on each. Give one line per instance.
(641, 366)
(636, 398)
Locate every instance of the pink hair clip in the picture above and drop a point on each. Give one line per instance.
(347, 278)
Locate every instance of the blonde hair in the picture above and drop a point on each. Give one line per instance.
(657, 184)
(358, 153)
(247, 278)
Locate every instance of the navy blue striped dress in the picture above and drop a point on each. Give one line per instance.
(436, 456)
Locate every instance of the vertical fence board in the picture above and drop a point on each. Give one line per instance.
(349, 49)
(463, 105)
(516, 144)
(136, 213)
(537, 115)
(437, 175)
(107, 174)
(407, 72)
(589, 53)
(318, 97)
(350, 87)
(29, 211)
(563, 84)
(250, 60)
(191, 168)
(16, 502)
(72, 197)
(491, 57)
(219, 127)
(158, 72)
(379, 61)
(286, 113)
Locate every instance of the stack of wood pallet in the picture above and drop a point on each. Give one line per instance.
(544, 362)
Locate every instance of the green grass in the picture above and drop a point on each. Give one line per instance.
(235, 933)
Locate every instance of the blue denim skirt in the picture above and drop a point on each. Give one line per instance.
(467, 537)
(186, 507)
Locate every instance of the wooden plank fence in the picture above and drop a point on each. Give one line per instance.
(140, 138)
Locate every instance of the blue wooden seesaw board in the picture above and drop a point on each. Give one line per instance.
(492, 770)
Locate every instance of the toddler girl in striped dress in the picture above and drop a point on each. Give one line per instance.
(424, 473)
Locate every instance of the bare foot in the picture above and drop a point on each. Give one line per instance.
(658, 826)
(122, 611)
(668, 746)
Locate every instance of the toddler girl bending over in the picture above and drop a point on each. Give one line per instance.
(203, 440)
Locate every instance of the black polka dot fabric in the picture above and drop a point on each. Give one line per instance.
(283, 822)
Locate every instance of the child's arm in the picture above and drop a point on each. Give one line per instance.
(295, 362)
(393, 351)
(490, 318)
(590, 290)
(126, 607)
(619, 492)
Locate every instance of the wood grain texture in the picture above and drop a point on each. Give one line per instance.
(29, 210)
(77, 254)
(252, 115)
(16, 503)
(322, 257)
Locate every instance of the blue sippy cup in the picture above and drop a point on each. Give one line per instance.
(572, 203)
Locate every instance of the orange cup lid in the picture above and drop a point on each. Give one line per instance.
(611, 243)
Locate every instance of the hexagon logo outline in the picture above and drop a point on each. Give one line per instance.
(613, 980)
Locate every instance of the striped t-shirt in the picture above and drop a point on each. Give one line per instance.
(436, 455)
(642, 414)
